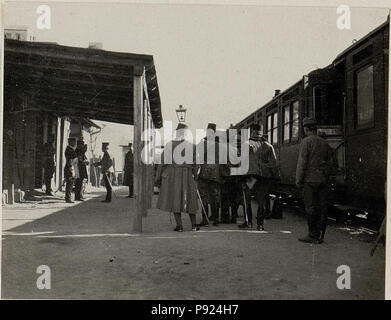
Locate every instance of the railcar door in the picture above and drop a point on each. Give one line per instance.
(328, 108)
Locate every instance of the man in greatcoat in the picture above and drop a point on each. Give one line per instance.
(82, 166)
(106, 165)
(315, 157)
(210, 179)
(128, 171)
(49, 163)
(262, 174)
(69, 171)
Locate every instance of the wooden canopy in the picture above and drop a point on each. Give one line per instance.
(88, 83)
(93, 84)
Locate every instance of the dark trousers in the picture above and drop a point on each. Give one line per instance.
(48, 184)
(315, 197)
(230, 198)
(78, 186)
(68, 188)
(131, 190)
(260, 190)
(106, 177)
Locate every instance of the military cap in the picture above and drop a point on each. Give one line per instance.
(105, 144)
(309, 122)
(211, 126)
(130, 144)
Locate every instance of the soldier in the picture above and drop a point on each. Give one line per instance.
(82, 166)
(231, 191)
(262, 174)
(107, 169)
(210, 180)
(69, 171)
(128, 171)
(314, 156)
(49, 164)
(176, 179)
(84, 171)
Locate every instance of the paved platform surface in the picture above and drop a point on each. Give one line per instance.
(93, 254)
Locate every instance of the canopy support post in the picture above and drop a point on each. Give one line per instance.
(138, 106)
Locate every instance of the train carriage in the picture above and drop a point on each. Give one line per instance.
(348, 99)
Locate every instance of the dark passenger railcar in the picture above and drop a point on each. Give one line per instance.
(364, 66)
(349, 100)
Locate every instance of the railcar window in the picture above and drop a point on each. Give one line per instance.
(290, 115)
(364, 98)
(295, 120)
(272, 126)
(286, 124)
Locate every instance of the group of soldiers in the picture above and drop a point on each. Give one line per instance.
(75, 169)
(219, 189)
(222, 191)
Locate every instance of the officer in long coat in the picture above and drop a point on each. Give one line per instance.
(315, 156)
(106, 165)
(69, 170)
(128, 171)
(176, 178)
(49, 164)
(262, 174)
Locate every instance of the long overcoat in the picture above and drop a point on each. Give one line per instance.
(178, 190)
(128, 169)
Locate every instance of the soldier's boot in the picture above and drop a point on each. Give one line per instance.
(322, 226)
(309, 239)
(178, 220)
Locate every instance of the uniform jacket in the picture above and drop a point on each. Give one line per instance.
(314, 155)
(70, 155)
(106, 163)
(178, 190)
(262, 160)
(210, 171)
(82, 161)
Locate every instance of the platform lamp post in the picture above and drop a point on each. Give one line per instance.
(181, 113)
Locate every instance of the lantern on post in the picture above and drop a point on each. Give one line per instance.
(181, 113)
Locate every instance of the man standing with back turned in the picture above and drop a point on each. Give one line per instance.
(311, 175)
(107, 170)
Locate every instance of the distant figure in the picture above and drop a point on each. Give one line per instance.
(49, 163)
(69, 171)
(128, 171)
(106, 165)
(178, 190)
(311, 176)
(84, 171)
(82, 167)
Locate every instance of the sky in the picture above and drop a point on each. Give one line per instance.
(220, 62)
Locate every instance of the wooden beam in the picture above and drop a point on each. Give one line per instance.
(90, 82)
(81, 55)
(137, 116)
(66, 65)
